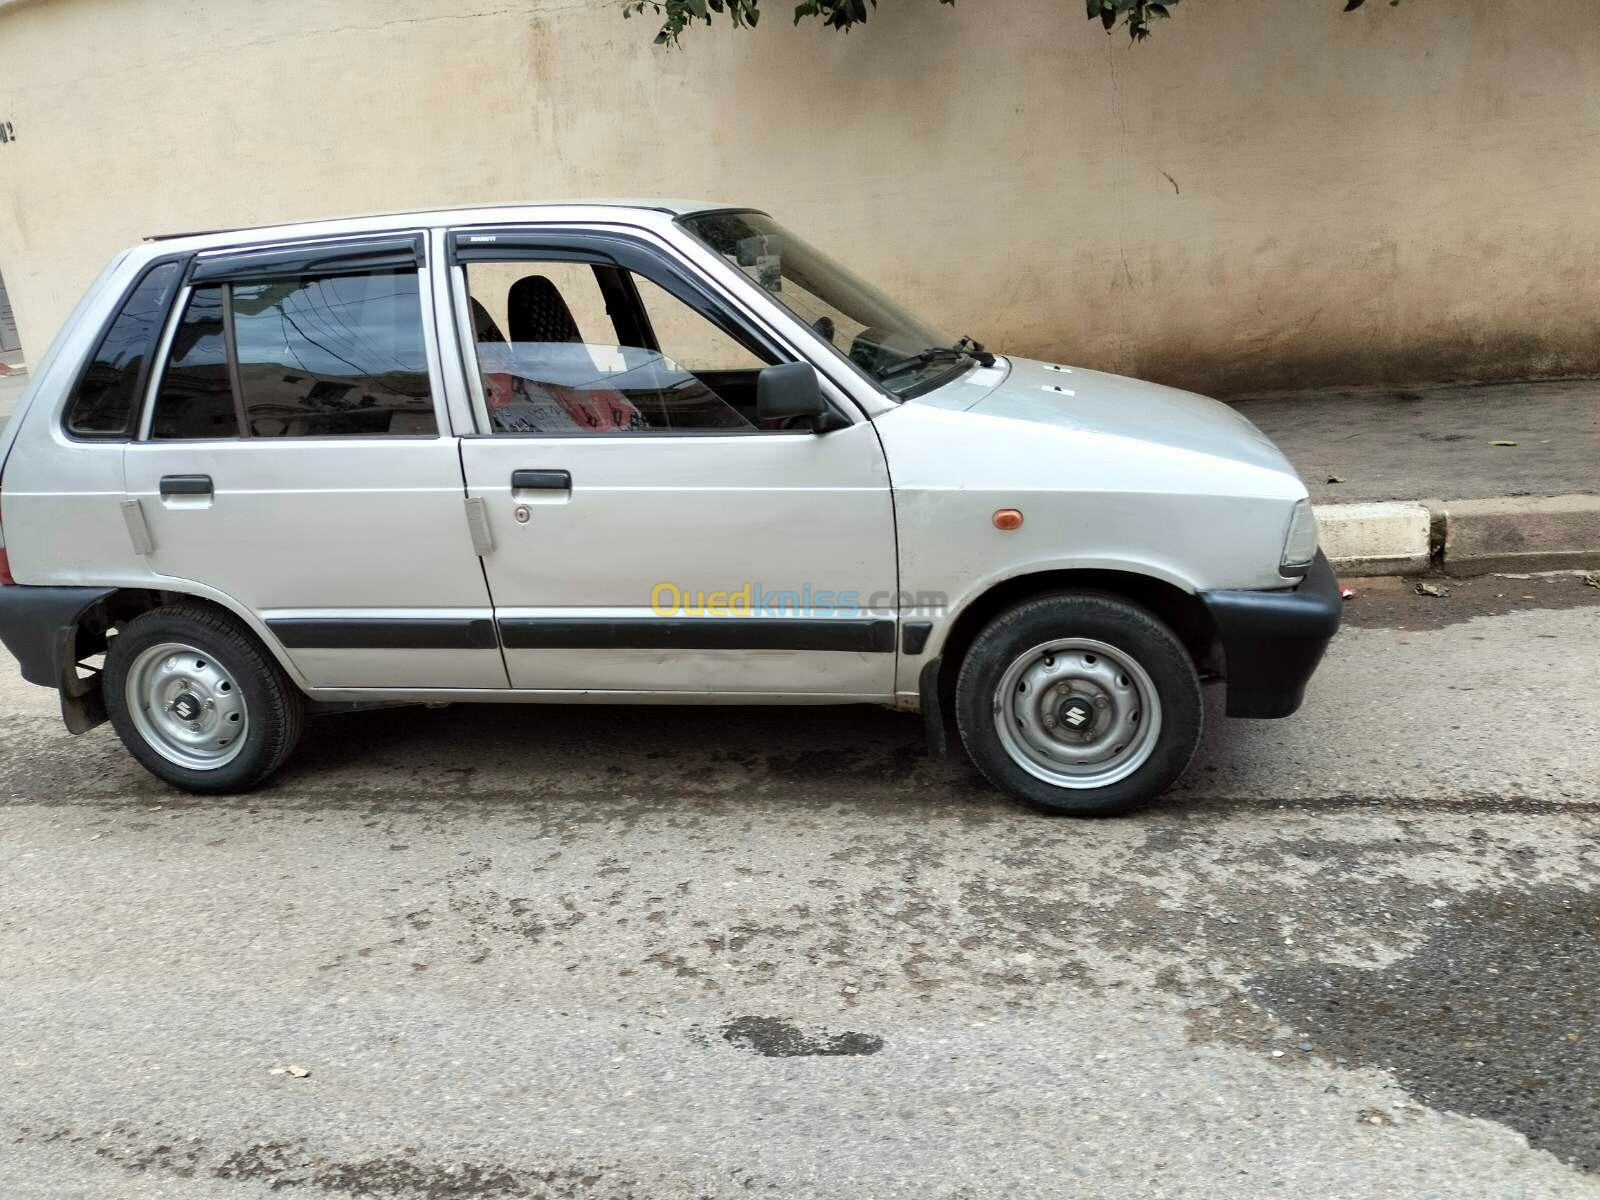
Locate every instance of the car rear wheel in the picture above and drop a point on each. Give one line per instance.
(198, 700)
(1079, 703)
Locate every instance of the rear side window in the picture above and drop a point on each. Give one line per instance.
(108, 394)
(196, 396)
(324, 356)
(336, 356)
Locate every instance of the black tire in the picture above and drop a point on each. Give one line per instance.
(276, 708)
(1134, 632)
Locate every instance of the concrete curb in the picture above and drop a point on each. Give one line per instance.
(1521, 533)
(1465, 537)
(1390, 538)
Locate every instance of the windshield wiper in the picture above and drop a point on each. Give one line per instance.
(965, 347)
(919, 359)
(975, 348)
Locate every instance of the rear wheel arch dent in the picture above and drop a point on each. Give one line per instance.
(1182, 611)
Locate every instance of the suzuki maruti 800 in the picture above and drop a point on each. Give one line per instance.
(651, 452)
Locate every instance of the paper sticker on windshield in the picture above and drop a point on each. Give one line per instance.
(762, 253)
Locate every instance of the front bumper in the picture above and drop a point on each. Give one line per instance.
(1273, 641)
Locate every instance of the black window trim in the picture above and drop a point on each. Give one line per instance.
(146, 369)
(349, 255)
(609, 247)
(379, 252)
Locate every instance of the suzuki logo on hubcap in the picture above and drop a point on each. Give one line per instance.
(1076, 714)
(186, 706)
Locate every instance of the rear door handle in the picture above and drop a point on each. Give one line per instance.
(541, 481)
(186, 485)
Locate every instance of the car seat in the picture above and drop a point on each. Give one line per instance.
(536, 312)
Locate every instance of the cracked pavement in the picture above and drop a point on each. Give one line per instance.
(655, 952)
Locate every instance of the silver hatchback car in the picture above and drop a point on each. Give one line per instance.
(651, 452)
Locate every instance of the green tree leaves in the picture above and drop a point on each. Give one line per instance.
(676, 15)
(1136, 15)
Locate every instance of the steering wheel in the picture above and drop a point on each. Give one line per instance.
(824, 326)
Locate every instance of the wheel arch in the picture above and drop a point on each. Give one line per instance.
(124, 603)
(1182, 611)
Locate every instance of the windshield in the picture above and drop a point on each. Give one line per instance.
(888, 343)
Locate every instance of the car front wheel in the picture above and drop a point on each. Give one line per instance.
(199, 701)
(1079, 703)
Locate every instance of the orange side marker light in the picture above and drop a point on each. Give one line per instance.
(1008, 519)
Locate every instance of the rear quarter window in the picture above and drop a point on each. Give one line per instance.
(107, 396)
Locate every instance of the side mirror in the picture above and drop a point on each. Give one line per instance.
(790, 392)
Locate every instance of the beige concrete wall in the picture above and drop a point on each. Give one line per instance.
(1268, 193)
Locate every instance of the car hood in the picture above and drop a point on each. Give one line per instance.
(1022, 389)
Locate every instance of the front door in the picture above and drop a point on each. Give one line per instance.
(648, 534)
(294, 459)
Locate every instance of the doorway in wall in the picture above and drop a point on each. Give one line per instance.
(10, 343)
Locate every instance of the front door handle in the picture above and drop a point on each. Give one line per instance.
(541, 481)
(186, 485)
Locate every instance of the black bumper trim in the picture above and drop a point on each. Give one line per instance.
(384, 633)
(1273, 641)
(862, 635)
(914, 637)
(39, 625)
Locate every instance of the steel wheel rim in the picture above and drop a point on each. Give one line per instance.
(186, 706)
(1077, 713)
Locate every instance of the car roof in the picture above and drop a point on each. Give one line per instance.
(455, 215)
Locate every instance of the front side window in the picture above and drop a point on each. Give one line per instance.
(569, 347)
(900, 351)
(108, 394)
(689, 339)
(324, 356)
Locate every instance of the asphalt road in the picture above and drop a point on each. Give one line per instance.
(653, 953)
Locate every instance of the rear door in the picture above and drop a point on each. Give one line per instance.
(295, 456)
(649, 535)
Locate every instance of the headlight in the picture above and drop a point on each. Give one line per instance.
(1300, 547)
